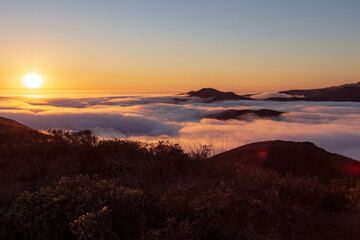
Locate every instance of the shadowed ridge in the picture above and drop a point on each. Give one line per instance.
(311, 93)
(242, 114)
(216, 95)
(299, 158)
(345, 94)
(308, 93)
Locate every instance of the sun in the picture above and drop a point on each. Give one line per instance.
(33, 80)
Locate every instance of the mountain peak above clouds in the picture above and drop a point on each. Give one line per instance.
(326, 94)
(215, 95)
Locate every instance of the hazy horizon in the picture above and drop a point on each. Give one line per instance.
(59, 92)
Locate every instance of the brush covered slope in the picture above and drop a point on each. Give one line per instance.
(74, 186)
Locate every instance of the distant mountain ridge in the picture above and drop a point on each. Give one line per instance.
(239, 114)
(216, 95)
(343, 93)
(299, 158)
(309, 93)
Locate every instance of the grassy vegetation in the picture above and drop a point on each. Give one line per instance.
(73, 186)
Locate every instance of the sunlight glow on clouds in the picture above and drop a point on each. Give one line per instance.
(333, 126)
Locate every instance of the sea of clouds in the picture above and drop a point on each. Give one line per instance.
(334, 126)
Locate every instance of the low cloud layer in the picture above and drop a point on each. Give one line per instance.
(104, 124)
(266, 95)
(333, 126)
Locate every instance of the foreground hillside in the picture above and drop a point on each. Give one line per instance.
(297, 158)
(74, 186)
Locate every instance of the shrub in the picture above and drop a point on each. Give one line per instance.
(81, 194)
(172, 230)
(353, 193)
(35, 215)
(92, 225)
(79, 204)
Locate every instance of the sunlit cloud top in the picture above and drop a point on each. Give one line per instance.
(331, 125)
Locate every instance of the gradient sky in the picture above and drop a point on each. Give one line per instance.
(164, 45)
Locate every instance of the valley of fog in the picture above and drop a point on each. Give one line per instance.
(334, 126)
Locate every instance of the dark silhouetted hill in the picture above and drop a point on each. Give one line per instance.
(299, 158)
(241, 114)
(308, 93)
(216, 95)
(280, 99)
(344, 94)
(323, 94)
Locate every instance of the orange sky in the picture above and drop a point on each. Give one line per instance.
(78, 47)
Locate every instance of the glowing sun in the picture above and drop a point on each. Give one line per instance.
(33, 80)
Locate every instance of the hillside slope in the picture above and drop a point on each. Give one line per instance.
(7, 124)
(345, 94)
(72, 185)
(299, 158)
(310, 93)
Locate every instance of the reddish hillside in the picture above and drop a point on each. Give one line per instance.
(299, 158)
